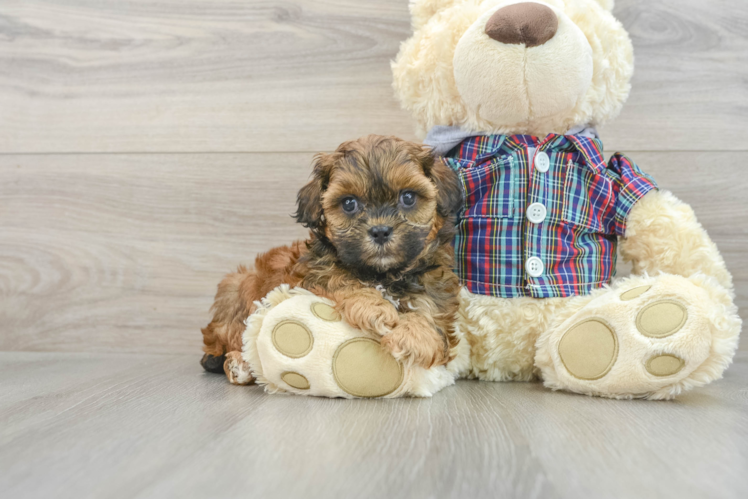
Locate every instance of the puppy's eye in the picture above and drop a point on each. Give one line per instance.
(350, 205)
(408, 198)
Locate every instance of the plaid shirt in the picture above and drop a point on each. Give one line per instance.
(541, 217)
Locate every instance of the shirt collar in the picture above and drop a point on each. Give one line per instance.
(591, 148)
(581, 139)
(444, 138)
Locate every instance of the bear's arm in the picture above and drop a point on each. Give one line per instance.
(663, 235)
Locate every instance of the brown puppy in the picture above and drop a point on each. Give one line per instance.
(381, 213)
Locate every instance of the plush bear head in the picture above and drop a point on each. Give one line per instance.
(508, 66)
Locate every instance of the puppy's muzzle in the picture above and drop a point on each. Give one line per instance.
(380, 234)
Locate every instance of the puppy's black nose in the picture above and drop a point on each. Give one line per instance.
(381, 234)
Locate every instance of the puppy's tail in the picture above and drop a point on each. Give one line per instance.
(213, 364)
(219, 339)
(231, 307)
(214, 339)
(235, 299)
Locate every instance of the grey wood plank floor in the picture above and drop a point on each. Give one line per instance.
(83, 425)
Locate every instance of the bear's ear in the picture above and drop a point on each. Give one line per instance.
(423, 10)
(606, 4)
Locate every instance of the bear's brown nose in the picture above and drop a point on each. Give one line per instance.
(526, 22)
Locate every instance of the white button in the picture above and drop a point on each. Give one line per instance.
(535, 267)
(536, 213)
(542, 162)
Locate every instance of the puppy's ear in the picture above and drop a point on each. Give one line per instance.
(309, 200)
(449, 198)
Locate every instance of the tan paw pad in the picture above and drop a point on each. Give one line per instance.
(661, 319)
(325, 312)
(292, 339)
(363, 369)
(295, 380)
(664, 365)
(635, 292)
(589, 349)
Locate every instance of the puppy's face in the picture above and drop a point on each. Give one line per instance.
(381, 202)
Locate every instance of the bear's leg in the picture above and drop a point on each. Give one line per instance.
(500, 336)
(645, 337)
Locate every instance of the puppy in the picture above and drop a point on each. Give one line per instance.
(381, 213)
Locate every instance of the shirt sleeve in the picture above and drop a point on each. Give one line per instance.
(631, 184)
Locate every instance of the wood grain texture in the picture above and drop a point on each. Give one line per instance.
(302, 75)
(112, 259)
(157, 426)
(689, 88)
(123, 252)
(197, 75)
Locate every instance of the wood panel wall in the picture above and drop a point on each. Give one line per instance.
(149, 146)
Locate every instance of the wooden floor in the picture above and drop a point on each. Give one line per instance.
(111, 425)
(147, 147)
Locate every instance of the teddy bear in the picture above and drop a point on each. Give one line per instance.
(509, 93)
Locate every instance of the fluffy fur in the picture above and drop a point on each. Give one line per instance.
(707, 343)
(512, 339)
(342, 261)
(492, 338)
(593, 69)
(664, 236)
(510, 89)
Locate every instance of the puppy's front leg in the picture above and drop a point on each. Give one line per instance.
(416, 340)
(366, 309)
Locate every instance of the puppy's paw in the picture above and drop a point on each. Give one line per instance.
(237, 370)
(415, 342)
(369, 315)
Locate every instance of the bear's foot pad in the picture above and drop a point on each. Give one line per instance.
(295, 380)
(661, 319)
(664, 365)
(635, 292)
(589, 349)
(293, 339)
(325, 312)
(363, 369)
(637, 341)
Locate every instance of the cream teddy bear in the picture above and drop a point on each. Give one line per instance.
(510, 93)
